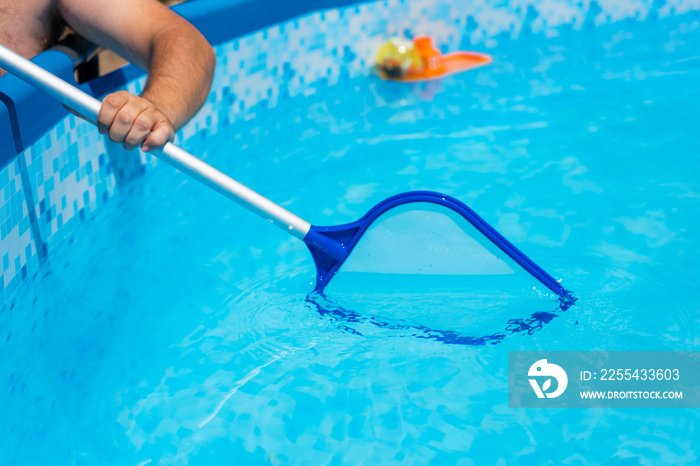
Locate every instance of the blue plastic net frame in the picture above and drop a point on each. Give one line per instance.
(330, 246)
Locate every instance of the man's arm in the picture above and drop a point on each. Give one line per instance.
(179, 60)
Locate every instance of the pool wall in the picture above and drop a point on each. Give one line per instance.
(55, 169)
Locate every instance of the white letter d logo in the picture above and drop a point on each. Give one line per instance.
(542, 369)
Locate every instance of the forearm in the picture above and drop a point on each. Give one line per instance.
(179, 60)
(179, 74)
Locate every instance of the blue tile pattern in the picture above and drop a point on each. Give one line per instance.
(71, 172)
(68, 173)
(16, 246)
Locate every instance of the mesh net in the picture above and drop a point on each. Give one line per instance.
(425, 245)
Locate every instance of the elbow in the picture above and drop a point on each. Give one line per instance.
(208, 67)
(203, 59)
(195, 52)
(207, 62)
(209, 58)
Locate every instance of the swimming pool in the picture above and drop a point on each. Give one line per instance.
(170, 326)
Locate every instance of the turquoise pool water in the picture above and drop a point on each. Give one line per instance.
(178, 328)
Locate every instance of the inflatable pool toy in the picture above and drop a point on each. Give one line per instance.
(419, 60)
(398, 58)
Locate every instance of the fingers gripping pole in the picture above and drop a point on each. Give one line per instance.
(88, 106)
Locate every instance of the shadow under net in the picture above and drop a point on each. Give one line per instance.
(349, 320)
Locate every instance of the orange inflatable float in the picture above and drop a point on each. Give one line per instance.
(419, 60)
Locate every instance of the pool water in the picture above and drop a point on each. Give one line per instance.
(180, 329)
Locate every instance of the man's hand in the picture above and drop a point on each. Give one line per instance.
(134, 122)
